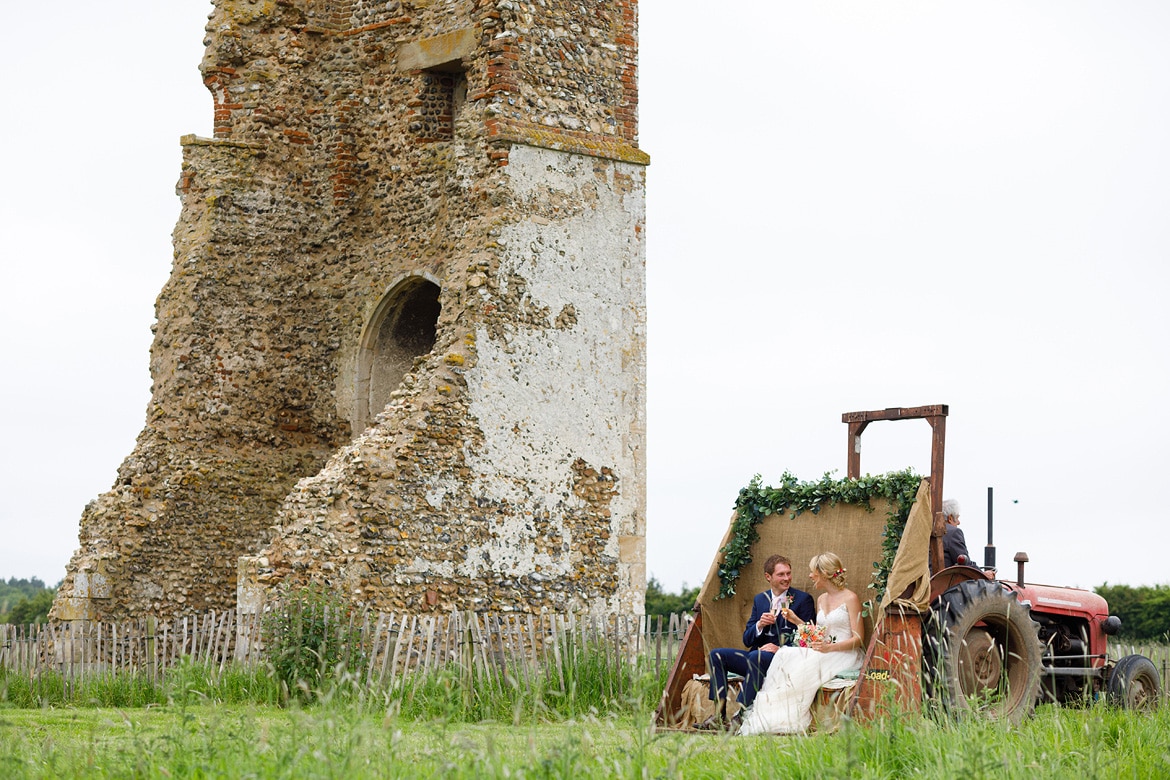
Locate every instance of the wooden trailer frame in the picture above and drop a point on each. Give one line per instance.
(890, 676)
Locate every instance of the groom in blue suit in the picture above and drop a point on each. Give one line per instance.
(765, 633)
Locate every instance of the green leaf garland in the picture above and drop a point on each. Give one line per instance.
(756, 501)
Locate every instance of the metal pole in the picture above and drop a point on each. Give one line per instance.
(989, 550)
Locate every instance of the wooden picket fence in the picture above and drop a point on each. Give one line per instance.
(392, 646)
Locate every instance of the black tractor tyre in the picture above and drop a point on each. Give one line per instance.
(1134, 684)
(982, 652)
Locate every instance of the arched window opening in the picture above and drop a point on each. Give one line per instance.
(401, 329)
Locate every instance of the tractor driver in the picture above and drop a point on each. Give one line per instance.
(954, 543)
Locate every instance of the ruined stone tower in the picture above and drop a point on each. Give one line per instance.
(402, 347)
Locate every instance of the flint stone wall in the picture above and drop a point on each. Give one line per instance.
(367, 156)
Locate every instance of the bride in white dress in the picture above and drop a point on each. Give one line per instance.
(783, 705)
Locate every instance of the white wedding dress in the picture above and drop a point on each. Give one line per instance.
(783, 705)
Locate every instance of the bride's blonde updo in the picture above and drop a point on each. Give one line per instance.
(830, 567)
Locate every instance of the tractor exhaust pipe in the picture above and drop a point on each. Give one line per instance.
(989, 550)
(1020, 559)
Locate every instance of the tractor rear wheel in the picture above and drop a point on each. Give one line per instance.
(983, 652)
(1134, 683)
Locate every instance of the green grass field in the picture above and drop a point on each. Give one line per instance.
(590, 719)
(343, 741)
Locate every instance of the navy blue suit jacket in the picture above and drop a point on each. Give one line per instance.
(802, 604)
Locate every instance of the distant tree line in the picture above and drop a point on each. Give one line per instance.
(659, 602)
(25, 601)
(1144, 611)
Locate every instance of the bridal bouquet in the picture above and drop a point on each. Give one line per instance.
(811, 632)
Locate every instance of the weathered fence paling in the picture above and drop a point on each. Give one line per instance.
(494, 648)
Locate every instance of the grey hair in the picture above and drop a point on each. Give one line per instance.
(950, 508)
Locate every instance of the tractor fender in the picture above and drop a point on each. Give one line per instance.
(952, 576)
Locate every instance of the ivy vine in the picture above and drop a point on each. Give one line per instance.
(756, 501)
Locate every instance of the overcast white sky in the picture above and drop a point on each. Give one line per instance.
(852, 205)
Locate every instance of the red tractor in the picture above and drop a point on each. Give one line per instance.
(1008, 645)
(1003, 646)
(955, 635)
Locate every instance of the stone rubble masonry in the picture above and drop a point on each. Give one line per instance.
(402, 348)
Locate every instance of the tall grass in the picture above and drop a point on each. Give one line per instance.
(187, 683)
(328, 740)
(584, 680)
(51, 689)
(586, 715)
(1158, 652)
